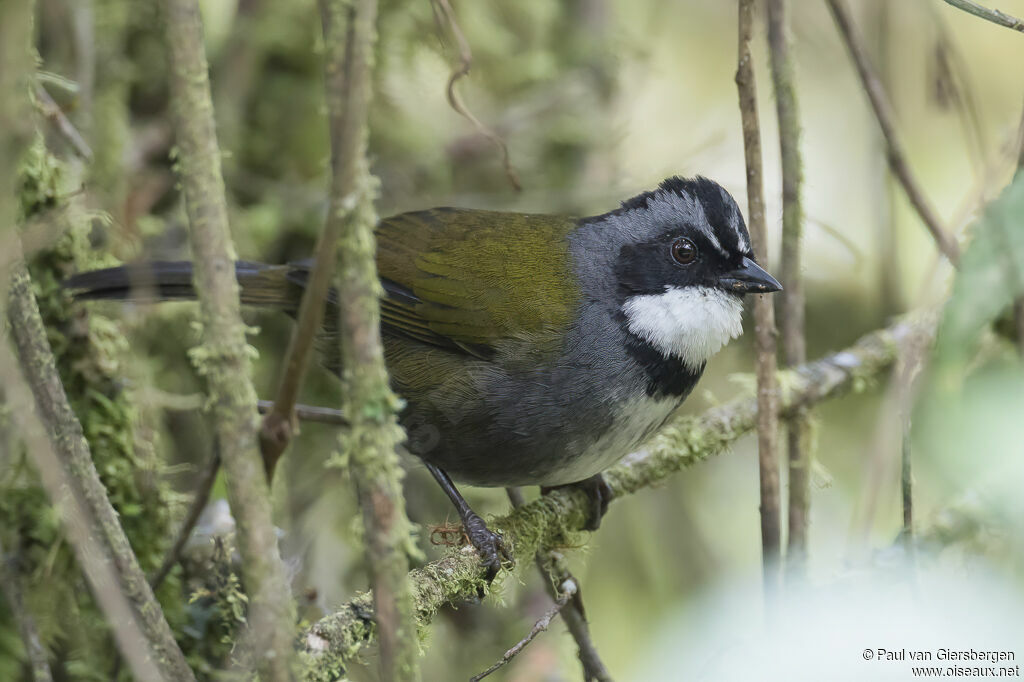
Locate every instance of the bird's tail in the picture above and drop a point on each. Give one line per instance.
(260, 284)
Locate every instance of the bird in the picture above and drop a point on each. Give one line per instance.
(529, 349)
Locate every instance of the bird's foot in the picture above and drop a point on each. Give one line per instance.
(598, 494)
(489, 545)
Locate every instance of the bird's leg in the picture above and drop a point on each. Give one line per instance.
(598, 493)
(488, 544)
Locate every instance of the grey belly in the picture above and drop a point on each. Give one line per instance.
(515, 450)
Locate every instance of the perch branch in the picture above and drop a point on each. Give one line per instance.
(224, 355)
(764, 310)
(369, 444)
(886, 121)
(794, 346)
(546, 522)
(993, 15)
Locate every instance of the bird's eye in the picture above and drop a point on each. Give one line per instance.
(684, 251)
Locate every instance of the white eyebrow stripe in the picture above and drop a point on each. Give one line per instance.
(734, 222)
(704, 227)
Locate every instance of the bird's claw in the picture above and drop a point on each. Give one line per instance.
(598, 493)
(489, 545)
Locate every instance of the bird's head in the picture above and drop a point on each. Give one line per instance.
(682, 261)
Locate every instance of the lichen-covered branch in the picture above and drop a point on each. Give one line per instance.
(224, 356)
(886, 121)
(993, 15)
(794, 346)
(764, 309)
(550, 520)
(93, 526)
(369, 444)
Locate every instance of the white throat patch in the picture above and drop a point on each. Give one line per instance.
(690, 323)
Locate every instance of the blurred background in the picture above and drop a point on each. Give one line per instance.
(597, 100)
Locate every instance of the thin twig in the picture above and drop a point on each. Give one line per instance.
(224, 355)
(894, 149)
(336, 639)
(993, 15)
(764, 311)
(53, 113)
(455, 101)
(554, 572)
(11, 584)
(280, 422)
(70, 478)
(199, 500)
(1018, 304)
(371, 441)
(309, 413)
(794, 346)
(566, 590)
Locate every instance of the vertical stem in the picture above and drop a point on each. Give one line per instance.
(764, 312)
(109, 126)
(890, 282)
(224, 356)
(371, 440)
(11, 585)
(793, 344)
(1018, 304)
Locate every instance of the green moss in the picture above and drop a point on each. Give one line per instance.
(88, 349)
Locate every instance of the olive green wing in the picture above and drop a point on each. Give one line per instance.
(470, 280)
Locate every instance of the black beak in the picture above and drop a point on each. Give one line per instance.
(749, 278)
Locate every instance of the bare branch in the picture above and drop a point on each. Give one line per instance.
(53, 113)
(200, 498)
(371, 441)
(764, 310)
(794, 347)
(553, 572)
(460, 71)
(309, 413)
(549, 521)
(894, 149)
(566, 591)
(993, 15)
(1018, 305)
(224, 355)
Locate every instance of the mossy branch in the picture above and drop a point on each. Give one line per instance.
(549, 521)
(369, 445)
(94, 530)
(224, 356)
